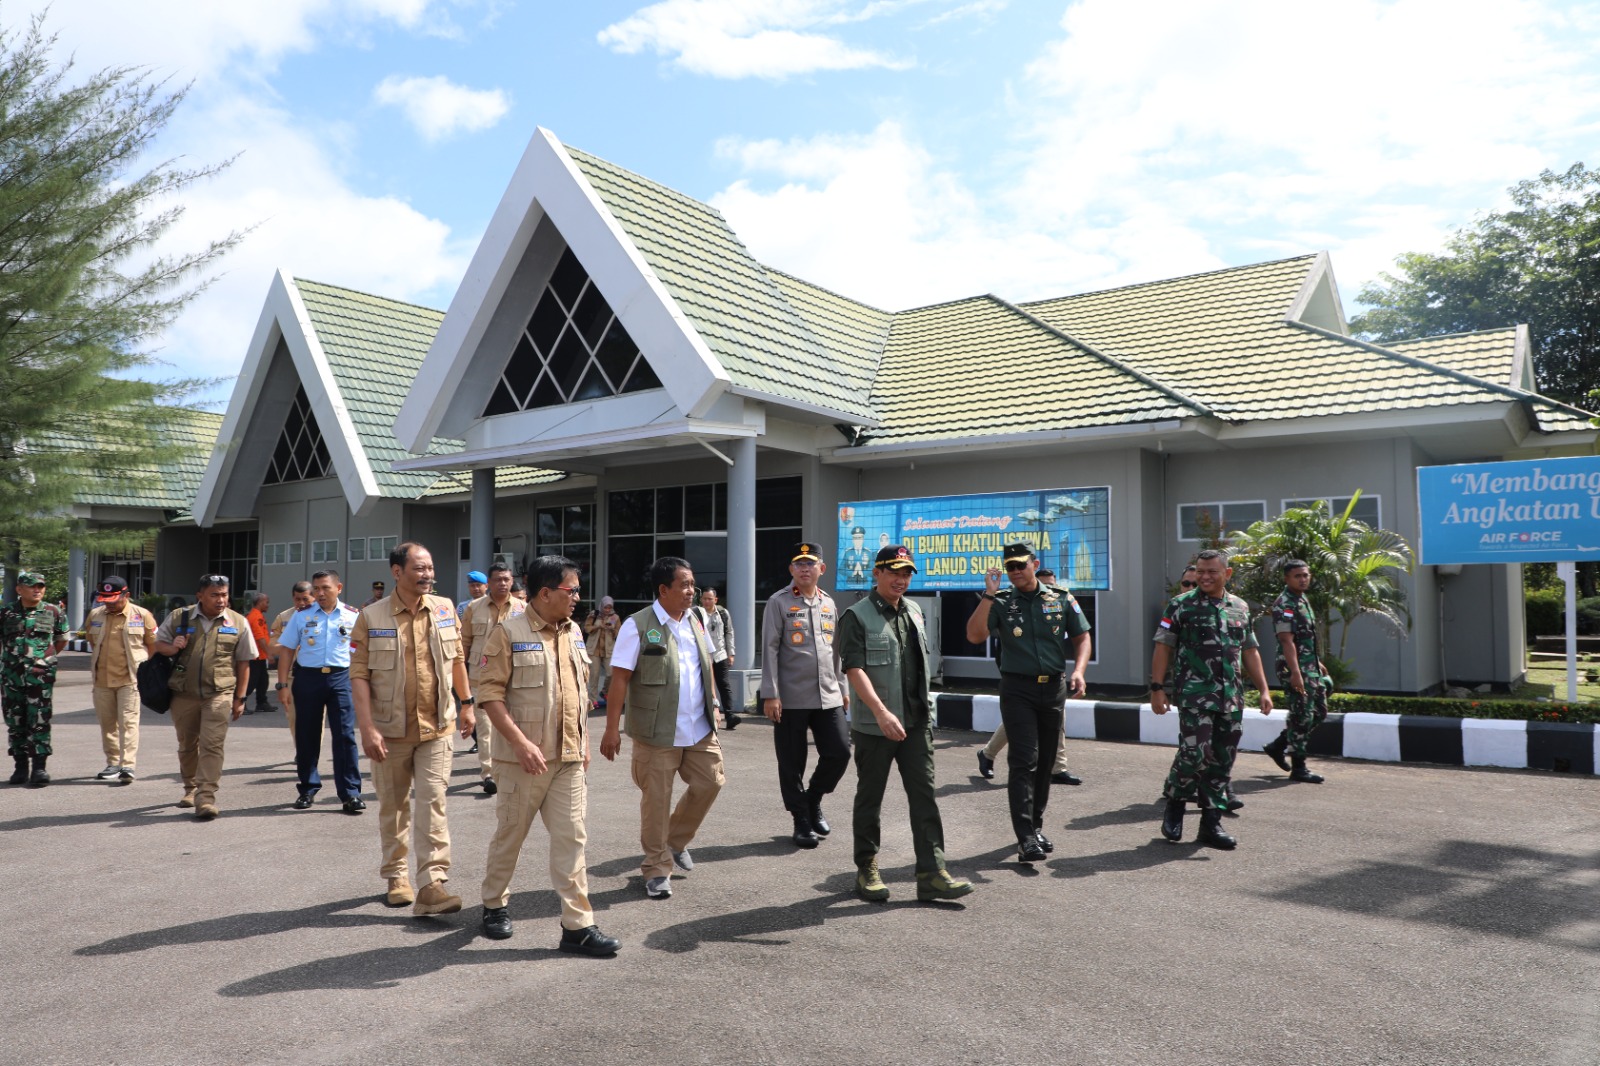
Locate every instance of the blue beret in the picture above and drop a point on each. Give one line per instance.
(479, 576)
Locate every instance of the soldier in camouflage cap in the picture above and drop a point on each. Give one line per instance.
(1305, 679)
(1209, 628)
(32, 633)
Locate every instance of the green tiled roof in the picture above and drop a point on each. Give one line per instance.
(1488, 354)
(735, 306)
(170, 485)
(505, 477)
(853, 333)
(375, 347)
(944, 366)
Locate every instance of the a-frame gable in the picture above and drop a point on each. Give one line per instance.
(284, 356)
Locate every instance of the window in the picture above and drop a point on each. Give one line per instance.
(568, 531)
(357, 549)
(573, 348)
(301, 454)
(233, 554)
(273, 554)
(324, 551)
(296, 550)
(378, 548)
(1197, 521)
(1369, 509)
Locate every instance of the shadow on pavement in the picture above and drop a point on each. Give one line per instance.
(1156, 852)
(778, 845)
(331, 915)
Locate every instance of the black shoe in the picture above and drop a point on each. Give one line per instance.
(730, 722)
(1044, 842)
(262, 708)
(985, 767)
(489, 787)
(1275, 751)
(1300, 773)
(1066, 777)
(1212, 833)
(496, 923)
(1172, 821)
(819, 824)
(590, 941)
(474, 749)
(1234, 802)
(40, 777)
(302, 802)
(1030, 850)
(354, 805)
(20, 774)
(804, 835)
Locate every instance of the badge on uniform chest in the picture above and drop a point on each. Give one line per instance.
(653, 636)
(527, 645)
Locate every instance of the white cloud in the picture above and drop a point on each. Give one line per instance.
(1223, 132)
(748, 38)
(438, 107)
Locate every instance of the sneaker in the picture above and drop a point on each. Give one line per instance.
(125, 775)
(658, 887)
(683, 860)
(400, 892)
(496, 923)
(433, 899)
(108, 773)
(940, 885)
(869, 884)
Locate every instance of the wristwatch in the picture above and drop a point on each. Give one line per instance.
(469, 701)
(987, 595)
(1157, 686)
(280, 686)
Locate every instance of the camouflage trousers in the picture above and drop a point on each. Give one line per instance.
(27, 713)
(1207, 743)
(1306, 711)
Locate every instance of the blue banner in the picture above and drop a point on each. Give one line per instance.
(1530, 511)
(956, 538)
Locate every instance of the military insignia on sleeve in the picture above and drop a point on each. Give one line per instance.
(1166, 623)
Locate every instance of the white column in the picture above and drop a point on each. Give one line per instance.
(481, 526)
(76, 564)
(1568, 572)
(742, 551)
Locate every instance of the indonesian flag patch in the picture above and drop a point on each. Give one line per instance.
(1166, 623)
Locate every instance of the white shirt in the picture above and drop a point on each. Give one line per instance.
(693, 725)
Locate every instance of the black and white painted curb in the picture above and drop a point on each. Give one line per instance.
(1563, 746)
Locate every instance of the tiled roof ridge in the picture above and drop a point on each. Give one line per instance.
(1168, 281)
(299, 281)
(823, 288)
(1111, 360)
(636, 176)
(1452, 336)
(1460, 375)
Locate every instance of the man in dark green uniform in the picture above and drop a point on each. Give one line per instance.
(883, 647)
(1210, 629)
(1031, 620)
(1300, 669)
(32, 633)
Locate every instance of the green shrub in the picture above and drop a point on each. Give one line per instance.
(1543, 609)
(1434, 707)
(1588, 616)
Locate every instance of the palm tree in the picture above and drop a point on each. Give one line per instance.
(1354, 567)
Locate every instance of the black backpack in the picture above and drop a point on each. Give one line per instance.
(153, 675)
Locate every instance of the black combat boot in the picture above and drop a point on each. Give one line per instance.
(1275, 751)
(1172, 823)
(1234, 802)
(1212, 833)
(40, 777)
(804, 835)
(1300, 773)
(20, 774)
(819, 824)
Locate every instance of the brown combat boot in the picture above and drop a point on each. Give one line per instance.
(433, 899)
(400, 892)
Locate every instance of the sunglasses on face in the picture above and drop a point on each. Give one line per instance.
(1015, 566)
(1188, 584)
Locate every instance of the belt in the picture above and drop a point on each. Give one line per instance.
(322, 669)
(1035, 679)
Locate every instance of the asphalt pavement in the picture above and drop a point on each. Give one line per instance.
(1396, 914)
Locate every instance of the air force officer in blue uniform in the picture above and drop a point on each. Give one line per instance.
(316, 641)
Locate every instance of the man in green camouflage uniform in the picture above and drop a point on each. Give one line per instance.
(32, 632)
(1210, 629)
(1300, 669)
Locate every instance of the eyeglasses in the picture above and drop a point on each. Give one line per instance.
(574, 591)
(1187, 584)
(1016, 566)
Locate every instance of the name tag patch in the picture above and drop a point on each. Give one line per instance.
(446, 623)
(383, 632)
(527, 645)
(228, 631)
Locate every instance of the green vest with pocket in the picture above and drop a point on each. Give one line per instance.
(650, 712)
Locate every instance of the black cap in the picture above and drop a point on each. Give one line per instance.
(1020, 552)
(895, 557)
(110, 589)
(858, 531)
(806, 550)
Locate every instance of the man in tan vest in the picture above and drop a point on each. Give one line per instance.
(210, 640)
(121, 636)
(661, 678)
(482, 617)
(301, 594)
(532, 687)
(405, 655)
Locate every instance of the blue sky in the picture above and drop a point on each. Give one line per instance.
(900, 151)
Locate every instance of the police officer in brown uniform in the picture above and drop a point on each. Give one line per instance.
(405, 654)
(532, 687)
(121, 635)
(210, 640)
(481, 617)
(803, 690)
(661, 680)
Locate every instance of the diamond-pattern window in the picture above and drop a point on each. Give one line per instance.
(300, 455)
(573, 348)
